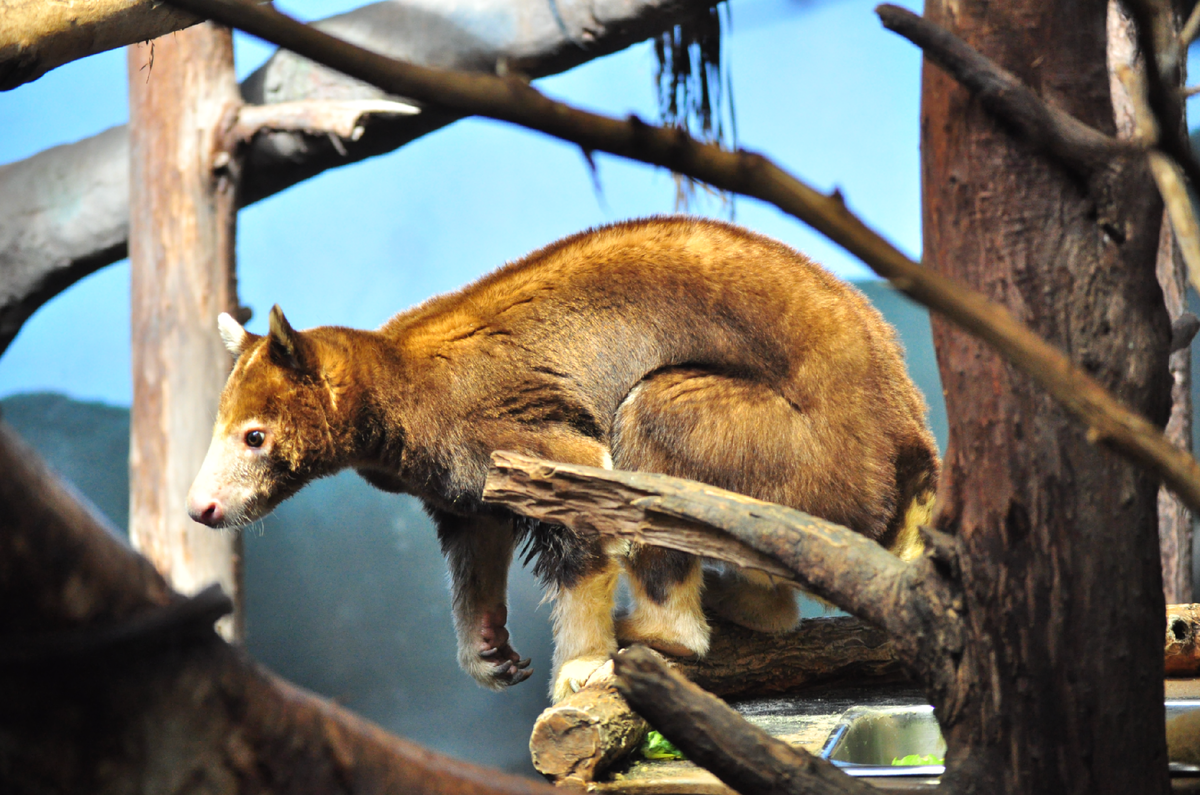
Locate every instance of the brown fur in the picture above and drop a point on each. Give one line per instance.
(682, 346)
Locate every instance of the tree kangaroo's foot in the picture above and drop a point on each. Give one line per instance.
(750, 599)
(489, 658)
(576, 674)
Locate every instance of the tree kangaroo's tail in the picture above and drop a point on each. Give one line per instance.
(917, 471)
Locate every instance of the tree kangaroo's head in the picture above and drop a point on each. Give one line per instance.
(272, 433)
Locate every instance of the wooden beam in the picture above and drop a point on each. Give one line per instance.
(183, 98)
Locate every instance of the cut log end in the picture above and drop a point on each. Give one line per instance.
(1182, 646)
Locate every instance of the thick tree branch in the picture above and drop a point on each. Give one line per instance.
(64, 212)
(37, 36)
(1081, 147)
(108, 677)
(512, 100)
(714, 736)
(911, 601)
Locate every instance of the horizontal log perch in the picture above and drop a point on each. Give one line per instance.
(912, 601)
(577, 740)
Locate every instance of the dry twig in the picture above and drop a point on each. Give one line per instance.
(1162, 62)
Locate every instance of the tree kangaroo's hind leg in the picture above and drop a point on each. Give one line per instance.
(479, 550)
(584, 636)
(579, 572)
(667, 614)
(740, 435)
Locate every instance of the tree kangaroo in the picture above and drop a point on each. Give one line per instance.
(675, 345)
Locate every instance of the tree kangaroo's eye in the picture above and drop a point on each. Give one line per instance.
(255, 438)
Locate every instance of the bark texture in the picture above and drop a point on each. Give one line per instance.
(183, 223)
(110, 684)
(1174, 518)
(37, 36)
(576, 740)
(1056, 533)
(64, 212)
(741, 662)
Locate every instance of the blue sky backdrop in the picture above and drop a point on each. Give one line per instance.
(819, 86)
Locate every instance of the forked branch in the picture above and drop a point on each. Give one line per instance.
(510, 99)
(1080, 146)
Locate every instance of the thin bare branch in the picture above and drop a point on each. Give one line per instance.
(1190, 29)
(511, 100)
(1163, 63)
(1081, 147)
(64, 212)
(714, 736)
(1167, 175)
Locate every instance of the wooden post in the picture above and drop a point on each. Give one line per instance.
(182, 99)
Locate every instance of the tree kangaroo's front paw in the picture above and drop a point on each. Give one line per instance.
(496, 669)
(489, 658)
(575, 674)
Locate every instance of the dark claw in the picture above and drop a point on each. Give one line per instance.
(488, 654)
(524, 663)
(520, 676)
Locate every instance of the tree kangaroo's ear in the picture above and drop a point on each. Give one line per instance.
(234, 335)
(287, 344)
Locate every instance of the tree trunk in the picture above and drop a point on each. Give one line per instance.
(182, 97)
(1059, 687)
